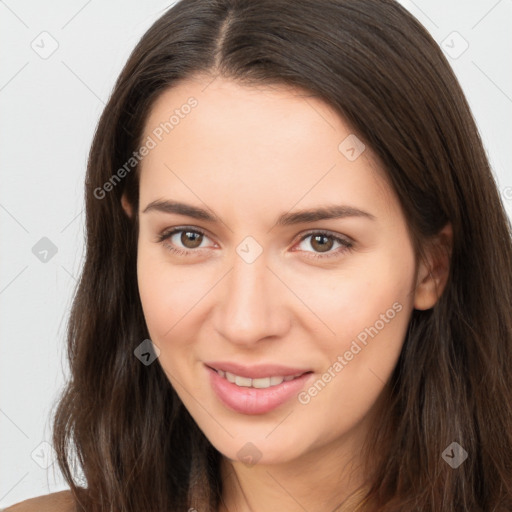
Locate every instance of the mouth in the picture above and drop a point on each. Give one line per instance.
(257, 395)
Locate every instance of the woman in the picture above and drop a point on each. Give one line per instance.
(297, 287)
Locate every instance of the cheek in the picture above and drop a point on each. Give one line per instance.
(173, 300)
(376, 313)
(368, 307)
(165, 294)
(370, 318)
(354, 298)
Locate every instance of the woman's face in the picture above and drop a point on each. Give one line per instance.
(256, 281)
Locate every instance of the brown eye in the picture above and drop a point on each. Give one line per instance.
(191, 239)
(183, 241)
(322, 243)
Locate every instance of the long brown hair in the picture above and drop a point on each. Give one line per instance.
(122, 423)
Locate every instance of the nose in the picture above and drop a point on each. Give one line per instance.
(252, 303)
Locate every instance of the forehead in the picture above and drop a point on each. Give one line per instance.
(276, 140)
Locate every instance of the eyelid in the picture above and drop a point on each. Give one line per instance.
(337, 236)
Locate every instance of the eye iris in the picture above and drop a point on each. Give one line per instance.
(322, 247)
(190, 237)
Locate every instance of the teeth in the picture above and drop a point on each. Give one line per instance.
(262, 383)
(243, 381)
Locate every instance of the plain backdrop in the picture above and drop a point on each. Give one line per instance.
(59, 61)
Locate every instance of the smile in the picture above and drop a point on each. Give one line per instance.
(262, 383)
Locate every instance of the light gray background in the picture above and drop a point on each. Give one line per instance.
(50, 107)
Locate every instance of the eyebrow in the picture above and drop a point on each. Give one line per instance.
(285, 219)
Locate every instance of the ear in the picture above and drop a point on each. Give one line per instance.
(127, 207)
(433, 273)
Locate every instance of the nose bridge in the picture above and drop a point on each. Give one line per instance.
(249, 300)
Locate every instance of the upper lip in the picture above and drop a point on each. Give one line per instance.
(257, 371)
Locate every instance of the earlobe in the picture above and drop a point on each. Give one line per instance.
(433, 274)
(127, 207)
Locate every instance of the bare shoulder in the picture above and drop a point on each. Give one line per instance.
(62, 501)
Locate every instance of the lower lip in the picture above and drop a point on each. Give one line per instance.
(246, 400)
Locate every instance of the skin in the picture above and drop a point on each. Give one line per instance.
(249, 154)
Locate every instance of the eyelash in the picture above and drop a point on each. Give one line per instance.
(346, 245)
